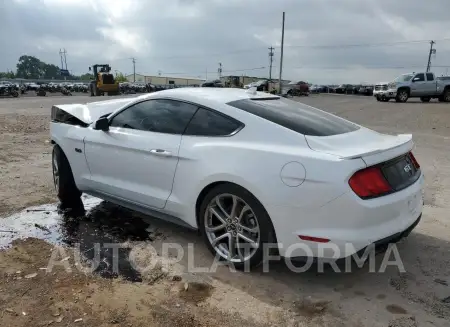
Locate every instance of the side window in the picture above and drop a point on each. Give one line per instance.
(208, 123)
(430, 77)
(419, 77)
(161, 116)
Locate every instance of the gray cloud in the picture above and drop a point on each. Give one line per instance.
(193, 36)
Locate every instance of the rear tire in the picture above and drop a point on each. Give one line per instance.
(446, 95)
(63, 180)
(253, 222)
(425, 99)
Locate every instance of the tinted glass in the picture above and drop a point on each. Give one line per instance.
(161, 116)
(208, 123)
(420, 77)
(430, 77)
(296, 116)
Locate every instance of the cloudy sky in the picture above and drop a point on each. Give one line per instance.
(326, 41)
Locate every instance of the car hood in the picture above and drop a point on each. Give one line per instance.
(90, 112)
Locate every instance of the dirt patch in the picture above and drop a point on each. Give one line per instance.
(25, 159)
(195, 292)
(396, 309)
(311, 308)
(403, 322)
(31, 296)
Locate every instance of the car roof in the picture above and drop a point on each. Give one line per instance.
(201, 95)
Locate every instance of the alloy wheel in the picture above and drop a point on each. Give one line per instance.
(232, 228)
(403, 96)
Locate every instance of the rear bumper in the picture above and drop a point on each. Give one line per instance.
(379, 246)
(349, 223)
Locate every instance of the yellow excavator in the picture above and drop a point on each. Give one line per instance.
(103, 82)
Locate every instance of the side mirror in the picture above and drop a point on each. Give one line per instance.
(102, 124)
(415, 79)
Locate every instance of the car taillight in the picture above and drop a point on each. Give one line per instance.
(369, 182)
(414, 160)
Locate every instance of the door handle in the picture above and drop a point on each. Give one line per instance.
(161, 152)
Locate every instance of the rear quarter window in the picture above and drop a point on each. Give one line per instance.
(296, 116)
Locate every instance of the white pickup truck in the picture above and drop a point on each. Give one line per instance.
(417, 85)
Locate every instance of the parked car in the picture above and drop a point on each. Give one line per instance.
(245, 168)
(365, 90)
(214, 83)
(379, 91)
(418, 85)
(344, 89)
(355, 89)
(8, 89)
(299, 88)
(315, 89)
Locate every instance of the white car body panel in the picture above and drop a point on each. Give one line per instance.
(139, 174)
(265, 158)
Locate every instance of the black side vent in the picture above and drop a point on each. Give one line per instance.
(61, 116)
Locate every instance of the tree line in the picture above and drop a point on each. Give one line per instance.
(29, 67)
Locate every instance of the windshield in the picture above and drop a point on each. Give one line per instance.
(404, 78)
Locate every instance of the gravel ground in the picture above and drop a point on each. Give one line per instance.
(173, 296)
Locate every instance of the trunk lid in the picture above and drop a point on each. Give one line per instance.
(371, 146)
(90, 112)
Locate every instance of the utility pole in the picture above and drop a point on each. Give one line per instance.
(62, 54)
(134, 69)
(432, 51)
(219, 70)
(271, 61)
(281, 56)
(65, 59)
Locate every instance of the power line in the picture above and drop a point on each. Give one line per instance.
(366, 67)
(223, 71)
(311, 46)
(329, 46)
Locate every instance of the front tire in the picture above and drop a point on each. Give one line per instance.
(63, 180)
(235, 226)
(402, 96)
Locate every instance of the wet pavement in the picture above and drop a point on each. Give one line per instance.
(92, 227)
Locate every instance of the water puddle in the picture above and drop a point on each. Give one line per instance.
(93, 222)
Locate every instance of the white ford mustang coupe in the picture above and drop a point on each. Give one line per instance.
(245, 168)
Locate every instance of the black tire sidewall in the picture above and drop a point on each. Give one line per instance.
(446, 93)
(267, 233)
(67, 191)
